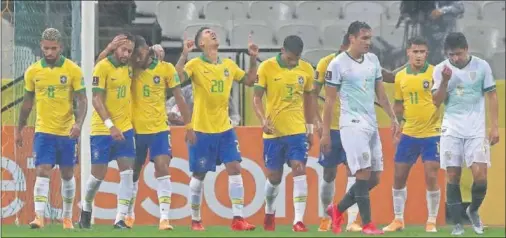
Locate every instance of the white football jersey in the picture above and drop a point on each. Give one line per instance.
(464, 113)
(356, 81)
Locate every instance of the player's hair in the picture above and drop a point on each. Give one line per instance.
(293, 44)
(51, 34)
(139, 42)
(417, 40)
(356, 26)
(199, 34)
(455, 40)
(346, 39)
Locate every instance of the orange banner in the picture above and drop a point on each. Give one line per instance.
(19, 177)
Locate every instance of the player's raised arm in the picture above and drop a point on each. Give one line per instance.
(117, 41)
(252, 70)
(383, 100)
(489, 88)
(26, 107)
(332, 85)
(260, 87)
(82, 102)
(441, 77)
(188, 46)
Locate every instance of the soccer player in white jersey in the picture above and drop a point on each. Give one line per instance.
(355, 77)
(461, 82)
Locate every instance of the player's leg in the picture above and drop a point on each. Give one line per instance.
(430, 157)
(273, 162)
(229, 154)
(124, 153)
(407, 152)
(160, 153)
(451, 160)
(141, 152)
(477, 155)
(202, 158)
(352, 212)
(297, 153)
(44, 151)
(66, 160)
(100, 147)
(358, 154)
(329, 162)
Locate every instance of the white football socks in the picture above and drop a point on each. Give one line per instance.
(126, 188)
(164, 191)
(236, 193)
(433, 198)
(68, 192)
(40, 193)
(196, 187)
(399, 197)
(299, 197)
(271, 192)
(92, 186)
(327, 191)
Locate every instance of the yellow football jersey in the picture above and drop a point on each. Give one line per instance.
(212, 84)
(284, 89)
(321, 69)
(148, 94)
(115, 79)
(423, 119)
(53, 88)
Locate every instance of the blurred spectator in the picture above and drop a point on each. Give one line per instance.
(441, 21)
(175, 116)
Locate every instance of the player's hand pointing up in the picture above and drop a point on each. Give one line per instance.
(188, 45)
(252, 47)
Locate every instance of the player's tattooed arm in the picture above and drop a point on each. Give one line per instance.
(258, 105)
(252, 70)
(399, 111)
(98, 103)
(188, 46)
(115, 43)
(82, 107)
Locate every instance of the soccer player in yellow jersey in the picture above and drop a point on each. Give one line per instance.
(216, 141)
(53, 81)
(150, 121)
(420, 133)
(112, 135)
(287, 125)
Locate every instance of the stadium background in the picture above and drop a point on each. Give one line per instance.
(320, 24)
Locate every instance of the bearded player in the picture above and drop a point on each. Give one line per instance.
(355, 78)
(53, 82)
(420, 133)
(112, 135)
(461, 82)
(287, 125)
(216, 141)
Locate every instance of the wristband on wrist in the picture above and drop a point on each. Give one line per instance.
(309, 128)
(108, 123)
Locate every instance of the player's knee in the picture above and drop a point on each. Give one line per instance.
(233, 168)
(374, 180)
(275, 177)
(199, 176)
(479, 171)
(44, 171)
(67, 173)
(453, 175)
(431, 180)
(329, 174)
(298, 168)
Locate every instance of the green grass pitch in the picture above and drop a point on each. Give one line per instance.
(55, 230)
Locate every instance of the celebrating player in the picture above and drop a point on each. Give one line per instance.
(112, 136)
(52, 82)
(461, 82)
(216, 141)
(357, 75)
(420, 135)
(153, 79)
(287, 125)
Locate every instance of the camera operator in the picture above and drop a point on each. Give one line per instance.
(435, 20)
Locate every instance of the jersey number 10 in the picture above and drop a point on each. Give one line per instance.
(121, 91)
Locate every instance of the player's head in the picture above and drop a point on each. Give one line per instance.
(292, 50)
(158, 51)
(456, 47)
(417, 51)
(141, 54)
(345, 43)
(206, 38)
(50, 44)
(360, 34)
(124, 51)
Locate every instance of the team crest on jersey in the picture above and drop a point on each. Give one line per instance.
(95, 81)
(472, 75)
(226, 73)
(328, 75)
(301, 80)
(426, 84)
(365, 156)
(156, 79)
(63, 79)
(448, 155)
